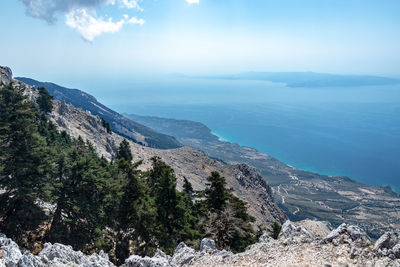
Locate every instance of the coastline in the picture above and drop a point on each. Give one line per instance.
(311, 169)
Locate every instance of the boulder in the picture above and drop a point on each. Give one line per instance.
(60, 255)
(10, 251)
(29, 260)
(160, 259)
(265, 238)
(207, 244)
(388, 244)
(292, 234)
(349, 234)
(183, 255)
(5, 75)
(317, 229)
(388, 240)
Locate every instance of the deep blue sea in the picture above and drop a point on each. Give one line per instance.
(353, 131)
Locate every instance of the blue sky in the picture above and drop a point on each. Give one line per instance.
(59, 39)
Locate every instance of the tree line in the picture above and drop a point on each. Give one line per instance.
(96, 204)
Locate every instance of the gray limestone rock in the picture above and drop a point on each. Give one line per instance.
(291, 234)
(5, 75)
(160, 259)
(61, 255)
(183, 255)
(29, 260)
(265, 238)
(388, 240)
(207, 244)
(350, 234)
(10, 251)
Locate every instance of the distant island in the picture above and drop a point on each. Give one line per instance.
(304, 79)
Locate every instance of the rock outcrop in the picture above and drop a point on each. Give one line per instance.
(292, 234)
(349, 234)
(347, 245)
(51, 255)
(389, 244)
(5, 75)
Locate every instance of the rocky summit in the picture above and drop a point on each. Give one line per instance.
(299, 244)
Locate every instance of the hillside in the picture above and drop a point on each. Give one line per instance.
(130, 129)
(300, 193)
(187, 162)
(305, 243)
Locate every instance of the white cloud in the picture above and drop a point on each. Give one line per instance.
(48, 9)
(193, 1)
(131, 4)
(89, 27)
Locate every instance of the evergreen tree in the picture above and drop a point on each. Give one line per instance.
(24, 163)
(275, 230)
(187, 187)
(124, 151)
(225, 218)
(137, 211)
(216, 193)
(45, 100)
(80, 218)
(176, 222)
(106, 125)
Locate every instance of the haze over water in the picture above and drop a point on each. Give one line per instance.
(352, 131)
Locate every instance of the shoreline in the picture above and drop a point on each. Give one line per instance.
(395, 189)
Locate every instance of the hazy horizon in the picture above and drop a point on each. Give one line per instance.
(77, 39)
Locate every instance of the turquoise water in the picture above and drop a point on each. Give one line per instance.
(335, 131)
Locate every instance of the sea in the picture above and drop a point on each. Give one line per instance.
(349, 131)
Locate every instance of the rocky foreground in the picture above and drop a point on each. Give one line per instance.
(305, 243)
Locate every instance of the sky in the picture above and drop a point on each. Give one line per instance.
(58, 40)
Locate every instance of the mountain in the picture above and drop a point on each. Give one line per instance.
(303, 243)
(300, 193)
(306, 79)
(132, 130)
(187, 162)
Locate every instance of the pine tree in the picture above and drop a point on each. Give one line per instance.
(45, 101)
(176, 221)
(216, 193)
(24, 163)
(124, 151)
(187, 187)
(83, 189)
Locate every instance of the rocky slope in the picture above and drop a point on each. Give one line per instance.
(305, 243)
(187, 162)
(132, 130)
(301, 194)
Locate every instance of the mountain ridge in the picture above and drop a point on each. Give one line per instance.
(119, 124)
